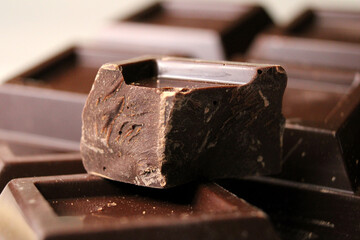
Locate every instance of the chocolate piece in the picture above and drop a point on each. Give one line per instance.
(293, 49)
(166, 121)
(327, 24)
(88, 207)
(320, 139)
(208, 30)
(74, 69)
(22, 160)
(316, 37)
(41, 117)
(302, 211)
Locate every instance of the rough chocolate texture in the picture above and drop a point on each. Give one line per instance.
(166, 121)
(89, 207)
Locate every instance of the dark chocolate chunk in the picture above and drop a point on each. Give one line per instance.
(166, 121)
(74, 69)
(41, 117)
(23, 160)
(302, 211)
(207, 30)
(89, 207)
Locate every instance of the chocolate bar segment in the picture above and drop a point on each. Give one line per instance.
(282, 48)
(74, 69)
(41, 117)
(320, 143)
(167, 121)
(89, 207)
(327, 24)
(321, 106)
(210, 30)
(302, 211)
(316, 37)
(24, 160)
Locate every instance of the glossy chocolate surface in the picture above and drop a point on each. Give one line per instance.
(302, 211)
(41, 117)
(315, 147)
(284, 48)
(88, 207)
(167, 121)
(74, 70)
(23, 160)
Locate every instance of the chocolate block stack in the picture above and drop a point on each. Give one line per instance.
(209, 135)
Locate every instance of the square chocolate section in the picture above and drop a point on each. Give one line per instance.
(316, 37)
(207, 30)
(321, 137)
(322, 110)
(74, 69)
(327, 24)
(283, 48)
(89, 207)
(41, 117)
(25, 160)
(302, 211)
(161, 122)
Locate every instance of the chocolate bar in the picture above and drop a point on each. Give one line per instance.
(41, 117)
(161, 122)
(74, 69)
(211, 30)
(23, 160)
(89, 207)
(302, 211)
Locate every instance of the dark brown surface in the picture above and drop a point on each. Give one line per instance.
(89, 207)
(211, 30)
(41, 117)
(302, 211)
(164, 122)
(321, 106)
(24, 160)
(74, 69)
